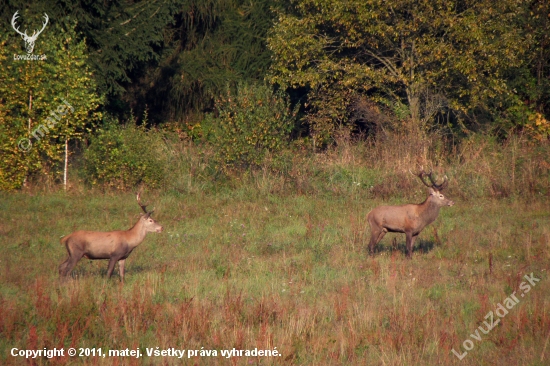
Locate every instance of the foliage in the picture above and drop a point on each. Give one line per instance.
(538, 127)
(30, 92)
(469, 63)
(212, 43)
(531, 82)
(539, 23)
(249, 123)
(124, 157)
(175, 56)
(387, 65)
(122, 37)
(428, 55)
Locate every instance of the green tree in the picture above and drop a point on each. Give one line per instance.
(43, 103)
(124, 157)
(531, 81)
(172, 57)
(123, 38)
(249, 123)
(424, 55)
(212, 43)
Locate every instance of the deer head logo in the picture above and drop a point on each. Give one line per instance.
(29, 40)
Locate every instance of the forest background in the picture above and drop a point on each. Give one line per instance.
(244, 82)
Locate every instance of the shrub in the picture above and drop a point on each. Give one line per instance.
(250, 122)
(123, 157)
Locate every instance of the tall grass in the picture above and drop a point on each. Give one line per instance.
(478, 167)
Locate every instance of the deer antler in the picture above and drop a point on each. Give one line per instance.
(434, 185)
(13, 19)
(43, 26)
(438, 187)
(143, 207)
(25, 35)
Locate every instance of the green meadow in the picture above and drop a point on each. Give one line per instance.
(250, 263)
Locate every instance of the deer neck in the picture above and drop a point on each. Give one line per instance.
(137, 234)
(428, 210)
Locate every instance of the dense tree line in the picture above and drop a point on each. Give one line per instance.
(480, 62)
(174, 56)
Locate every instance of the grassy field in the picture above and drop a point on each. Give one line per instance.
(245, 268)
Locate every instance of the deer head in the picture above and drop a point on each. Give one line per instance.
(435, 189)
(29, 40)
(150, 224)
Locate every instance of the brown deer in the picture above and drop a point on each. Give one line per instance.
(409, 219)
(115, 246)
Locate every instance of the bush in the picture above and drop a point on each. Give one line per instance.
(122, 158)
(250, 123)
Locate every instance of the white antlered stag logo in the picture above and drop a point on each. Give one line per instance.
(29, 40)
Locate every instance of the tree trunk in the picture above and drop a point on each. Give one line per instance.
(66, 165)
(414, 108)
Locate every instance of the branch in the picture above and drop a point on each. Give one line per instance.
(386, 62)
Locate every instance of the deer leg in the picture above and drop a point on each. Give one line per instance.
(63, 266)
(121, 268)
(375, 238)
(111, 267)
(66, 267)
(70, 262)
(410, 243)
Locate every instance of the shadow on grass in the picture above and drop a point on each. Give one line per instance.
(420, 246)
(99, 269)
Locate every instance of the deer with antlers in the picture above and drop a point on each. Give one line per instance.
(409, 219)
(115, 246)
(29, 40)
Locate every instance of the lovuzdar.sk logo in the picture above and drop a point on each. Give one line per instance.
(29, 40)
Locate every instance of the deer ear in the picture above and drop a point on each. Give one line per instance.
(432, 191)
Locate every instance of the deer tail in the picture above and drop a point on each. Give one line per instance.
(64, 239)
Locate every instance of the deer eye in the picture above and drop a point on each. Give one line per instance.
(441, 196)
